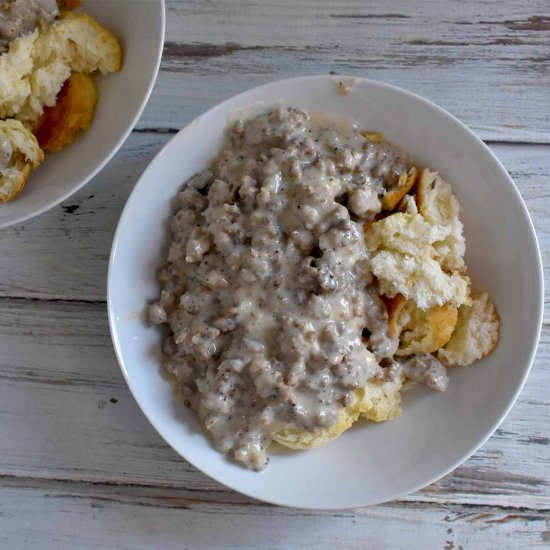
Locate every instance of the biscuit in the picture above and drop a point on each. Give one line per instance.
(80, 42)
(72, 113)
(36, 66)
(476, 333)
(420, 331)
(382, 399)
(420, 279)
(407, 205)
(16, 67)
(295, 438)
(394, 195)
(395, 307)
(405, 233)
(69, 4)
(404, 261)
(25, 156)
(375, 137)
(377, 401)
(439, 206)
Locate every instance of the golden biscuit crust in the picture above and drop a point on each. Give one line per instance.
(26, 156)
(81, 43)
(377, 401)
(72, 113)
(476, 333)
(405, 183)
(420, 331)
(36, 66)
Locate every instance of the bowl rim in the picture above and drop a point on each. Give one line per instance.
(124, 136)
(539, 289)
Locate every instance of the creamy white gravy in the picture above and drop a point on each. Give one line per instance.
(274, 316)
(20, 17)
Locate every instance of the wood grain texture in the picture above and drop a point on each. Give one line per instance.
(487, 62)
(63, 253)
(68, 248)
(81, 467)
(91, 517)
(69, 415)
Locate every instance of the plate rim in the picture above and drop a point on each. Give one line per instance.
(100, 165)
(535, 337)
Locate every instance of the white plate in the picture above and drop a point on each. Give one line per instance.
(139, 25)
(370, 463)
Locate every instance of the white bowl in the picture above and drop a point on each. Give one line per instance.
(371, 463)
(122, 97)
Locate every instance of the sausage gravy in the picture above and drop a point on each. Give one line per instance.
(274, 316)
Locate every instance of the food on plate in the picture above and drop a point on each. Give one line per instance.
(36, 65)
(79, 41)
(20, 17)
(440, 207)
(405, 257)
(69, 4)
(420, 331)
(377, 400)
(73, 112)
(314, 272)
(46, 54)
(405, 183)
(476, 333)
(19, 154)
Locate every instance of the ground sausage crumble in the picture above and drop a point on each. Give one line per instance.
(274, 316)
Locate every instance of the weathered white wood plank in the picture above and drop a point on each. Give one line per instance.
(66, 416)
(486, 62)
(63, 253)
(310, 22)
(91, 517)
(65, 413)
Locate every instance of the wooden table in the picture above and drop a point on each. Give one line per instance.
(80, 466)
